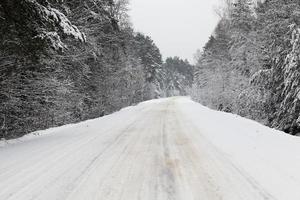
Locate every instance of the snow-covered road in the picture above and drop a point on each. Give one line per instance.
(158, 150)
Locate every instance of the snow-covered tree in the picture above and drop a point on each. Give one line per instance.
(151, 59)
(288, 112)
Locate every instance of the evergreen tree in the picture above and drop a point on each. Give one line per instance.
(151, 60)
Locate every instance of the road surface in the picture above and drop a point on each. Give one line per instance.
(169, 149)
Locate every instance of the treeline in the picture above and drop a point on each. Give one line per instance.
(251, 64)
(67, 61)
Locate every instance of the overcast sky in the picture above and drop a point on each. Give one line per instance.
(178, 27)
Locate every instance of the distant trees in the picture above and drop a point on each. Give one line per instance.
(250, 65)
(180, 76)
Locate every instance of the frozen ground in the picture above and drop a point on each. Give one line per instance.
(159, 150)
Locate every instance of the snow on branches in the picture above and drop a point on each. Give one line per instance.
(38, 21)
(62, 25)
(291, 69)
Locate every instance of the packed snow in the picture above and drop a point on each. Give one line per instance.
(161, 149)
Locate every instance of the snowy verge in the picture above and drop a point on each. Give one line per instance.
(269, 157)
(79, 125)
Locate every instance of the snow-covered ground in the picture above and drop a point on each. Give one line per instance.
(162, 149)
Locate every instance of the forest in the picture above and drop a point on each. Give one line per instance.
(250, 64)
(66, 61)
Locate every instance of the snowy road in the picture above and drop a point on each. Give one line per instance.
(159, 150)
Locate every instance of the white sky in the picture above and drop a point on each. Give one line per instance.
(178, 27)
